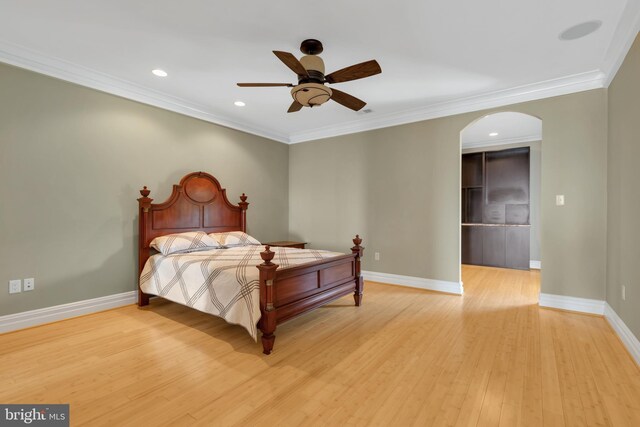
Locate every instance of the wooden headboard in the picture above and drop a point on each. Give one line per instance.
(198, 203)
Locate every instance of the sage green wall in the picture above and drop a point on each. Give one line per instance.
(71, 163)
(535, 158)
(400, 188)
(72, 159)
(624, 193)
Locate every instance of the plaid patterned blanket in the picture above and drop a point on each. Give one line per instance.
(222, 282)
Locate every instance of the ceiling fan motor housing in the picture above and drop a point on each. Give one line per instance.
(311, 94)
(312, 62)
(315, 69)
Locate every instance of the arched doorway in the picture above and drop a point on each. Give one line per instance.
(500, 191)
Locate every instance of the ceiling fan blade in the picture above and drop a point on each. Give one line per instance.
(291, 62)
(354, 72)
(264, 84)
(347, 100)
(295, 106)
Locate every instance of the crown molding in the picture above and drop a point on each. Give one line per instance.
(624, 36)
(502, 141)
(22, 57)
(64, 70)
(562, 86)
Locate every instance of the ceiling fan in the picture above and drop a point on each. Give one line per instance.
(311, 90)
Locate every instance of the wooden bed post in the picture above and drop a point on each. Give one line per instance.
(243, 215)
(143, 252)
(358, 250)
(267, 322)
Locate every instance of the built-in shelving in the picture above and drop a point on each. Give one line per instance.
(495, 208)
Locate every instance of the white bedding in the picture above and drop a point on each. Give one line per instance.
(222, 282)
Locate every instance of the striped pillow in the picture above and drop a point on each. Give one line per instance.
(184, 242)
(234, 238)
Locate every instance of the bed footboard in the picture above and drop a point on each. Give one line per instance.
(288, 293)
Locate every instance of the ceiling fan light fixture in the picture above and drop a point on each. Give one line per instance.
(311, 94)
(311, 90)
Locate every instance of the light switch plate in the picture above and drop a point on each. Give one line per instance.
(560, 200)
(29, 284)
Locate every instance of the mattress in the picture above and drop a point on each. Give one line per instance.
(221, 282)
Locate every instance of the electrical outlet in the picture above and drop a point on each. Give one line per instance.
(15, 286)
(624, 293)
(29, 284)
(376, 256)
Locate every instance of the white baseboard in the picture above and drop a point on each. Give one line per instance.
(626, 336)
(581, 305)
(26, 319)
(535, 264)
(593, 306)
(415, 282)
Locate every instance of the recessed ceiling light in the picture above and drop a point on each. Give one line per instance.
(160, 73)
(239, 104)
(493, 134)
(580, 30)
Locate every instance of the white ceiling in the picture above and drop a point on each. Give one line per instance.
(510, 127)
(437, 57)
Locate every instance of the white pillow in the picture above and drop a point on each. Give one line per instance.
(234, 238)
(184, 242)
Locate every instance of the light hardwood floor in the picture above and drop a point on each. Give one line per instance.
(406, 357)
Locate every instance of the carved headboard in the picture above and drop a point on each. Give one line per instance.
(198, 203)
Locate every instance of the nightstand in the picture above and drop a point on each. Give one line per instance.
(287, 244)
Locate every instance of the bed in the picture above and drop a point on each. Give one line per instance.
(307, 279)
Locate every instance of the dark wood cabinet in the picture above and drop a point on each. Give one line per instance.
(517, 247)
(472, 244)
(494, 246)
(517, 214)
(472, 173)
(472, 185)
(474, 200)
(495, 208)
(493, 213)
(507, 177)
